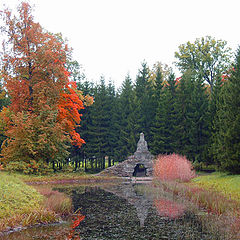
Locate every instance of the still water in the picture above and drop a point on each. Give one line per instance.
(123, 211)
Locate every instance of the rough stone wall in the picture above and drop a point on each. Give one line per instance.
(126, 168)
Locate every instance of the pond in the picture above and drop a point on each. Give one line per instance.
(124, 211)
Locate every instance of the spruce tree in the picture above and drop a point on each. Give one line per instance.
(128, 122)
(98, 129)
(112, 115)
(164, 128)
(78, 155)
(156, 128)
(227, 122)
(170, 115)
(145, 101)
(183, 108)
(214, 99)
(192, 126)
(198, 117)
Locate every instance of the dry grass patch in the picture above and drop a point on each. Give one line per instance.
(55, 201)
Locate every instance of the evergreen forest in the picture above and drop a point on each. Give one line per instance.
(196, 115)
(52, 115)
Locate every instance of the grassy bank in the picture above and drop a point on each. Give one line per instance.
(228, 185)
(22, 205)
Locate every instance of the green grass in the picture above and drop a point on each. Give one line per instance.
(228, 185)
(16, 197)
(22, 205)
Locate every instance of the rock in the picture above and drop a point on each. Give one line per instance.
(126, 168)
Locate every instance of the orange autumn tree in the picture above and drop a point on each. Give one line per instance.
(41, 119)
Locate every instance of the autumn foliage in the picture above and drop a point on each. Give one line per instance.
(44, 110)
(173, 167)
(68, 115)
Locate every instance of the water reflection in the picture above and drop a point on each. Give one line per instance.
(77, 219)
(126, 211)
(139, 199)
(168, 208)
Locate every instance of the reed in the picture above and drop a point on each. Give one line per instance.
(55, 201)
(221, 214)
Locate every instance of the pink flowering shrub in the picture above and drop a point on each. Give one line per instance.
(173, 167)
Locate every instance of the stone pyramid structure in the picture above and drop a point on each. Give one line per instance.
(141, 157)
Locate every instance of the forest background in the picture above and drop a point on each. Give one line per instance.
(196, 115)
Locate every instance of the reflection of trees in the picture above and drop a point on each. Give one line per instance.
(77, 219)
(126, 211)
(138, 199)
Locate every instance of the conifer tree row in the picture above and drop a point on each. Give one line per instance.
(196, 115)
(226, 135)
(175, 114)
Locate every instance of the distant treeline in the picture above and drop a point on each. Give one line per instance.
(196, 115)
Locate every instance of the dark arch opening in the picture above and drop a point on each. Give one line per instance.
(140, 170)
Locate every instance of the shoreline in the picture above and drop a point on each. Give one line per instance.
(86, 179)
(16, 220)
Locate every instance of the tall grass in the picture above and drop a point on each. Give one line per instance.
(221, 214)
(55, 201)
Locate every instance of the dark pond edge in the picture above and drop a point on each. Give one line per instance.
(20, 228)
(112, 180)
(67, 181)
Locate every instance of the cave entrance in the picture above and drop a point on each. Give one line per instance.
(140, 170)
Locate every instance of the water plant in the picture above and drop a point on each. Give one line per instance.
(168, 208)
(78, 218)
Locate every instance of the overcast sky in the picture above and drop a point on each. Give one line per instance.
(113, 37)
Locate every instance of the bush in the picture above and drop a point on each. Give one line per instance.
(201, 166)
(31, 167)
(173, 167)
